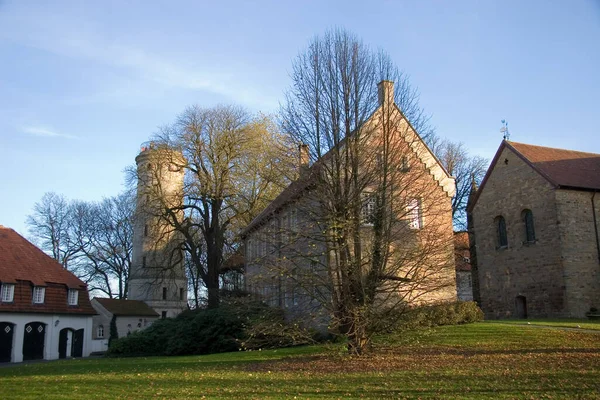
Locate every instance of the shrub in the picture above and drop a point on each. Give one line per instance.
(461, 312)
(237, 324)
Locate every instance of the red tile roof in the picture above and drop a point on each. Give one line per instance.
(126, 307)
(565, 168)
(25, 265)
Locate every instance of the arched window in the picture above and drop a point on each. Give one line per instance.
(501, 231)
(527, 216)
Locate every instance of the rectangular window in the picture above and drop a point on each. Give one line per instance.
(164, 294)
(8, 292)
(284, 228)
(367, 212)
(100, 331)
(73, 297)
(294, 220)
(163, 314)
(414, 214)
(145, 230)
(38, 294)
(249, 245)
(181, 293)
(144, 261)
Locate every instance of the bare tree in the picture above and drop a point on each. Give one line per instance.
(109, 245)
(51, 226)
(464, 168)
(364, 201)
(232, 164)
(94, 240)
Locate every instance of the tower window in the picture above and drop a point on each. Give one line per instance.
(527, 216)
(501, 232)
(144, 261)
(145, 230)
(181, 293)
(164, 294)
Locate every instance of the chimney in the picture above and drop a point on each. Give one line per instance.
(385, 92)
(303, 159)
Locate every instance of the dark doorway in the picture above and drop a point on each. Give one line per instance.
(33, 341)
(6, 341)
(70, 343)
(63, 341)
(77, 349)
(521, 306)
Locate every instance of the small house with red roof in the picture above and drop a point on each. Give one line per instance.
(536, 223)
(45, 310)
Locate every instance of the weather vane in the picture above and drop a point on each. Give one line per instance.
(504, 129)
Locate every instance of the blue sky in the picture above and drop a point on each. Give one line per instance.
(84, 83)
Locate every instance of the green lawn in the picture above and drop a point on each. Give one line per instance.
(484, 360)
(557, 322)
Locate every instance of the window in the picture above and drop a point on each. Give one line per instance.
(100, 331)
(404, 166)
(38, 294)
(294, 220)
(163, 314)
(73, 297)
(8, 292)
(164, 294)
(249, 249)
(181, 293)
(527, 216)
(415, 216)
(145, 230)
(367, 212)
(144, 261)
(501, 232)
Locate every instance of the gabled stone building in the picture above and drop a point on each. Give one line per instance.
(286, 256)
(535, 219)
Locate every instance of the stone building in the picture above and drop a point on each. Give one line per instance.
(287, 257)
(535, 221)
(45, 310)
(462, 260)
(157, 274)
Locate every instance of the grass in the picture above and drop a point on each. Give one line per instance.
(483, 360)
(558, 322)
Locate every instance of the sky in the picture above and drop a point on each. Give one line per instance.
(84, 83)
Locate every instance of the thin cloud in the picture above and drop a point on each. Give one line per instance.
(44, 132)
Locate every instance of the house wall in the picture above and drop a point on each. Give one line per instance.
(581, 261)
(464, 286)
(531, 270)
(125, 324)
(54, 323)
(423, 181)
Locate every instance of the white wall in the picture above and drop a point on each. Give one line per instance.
(54, 323)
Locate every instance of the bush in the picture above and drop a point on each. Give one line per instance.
(461, 312)
(237, 324)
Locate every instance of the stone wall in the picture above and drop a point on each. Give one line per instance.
(579, 250)
(532, 270)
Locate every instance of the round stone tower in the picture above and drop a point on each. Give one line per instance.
(157, 274)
